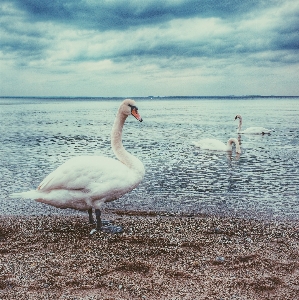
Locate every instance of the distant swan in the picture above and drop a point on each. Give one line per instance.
(213, 144)
(86, 182)
(251, 130)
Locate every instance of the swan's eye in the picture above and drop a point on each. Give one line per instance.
(133, 107)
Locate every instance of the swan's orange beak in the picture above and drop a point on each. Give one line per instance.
(135, 113)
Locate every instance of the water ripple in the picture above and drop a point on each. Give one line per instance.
(37, 137)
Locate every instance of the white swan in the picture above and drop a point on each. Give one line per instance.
(251, 130)
(86, 182)
(213, 144)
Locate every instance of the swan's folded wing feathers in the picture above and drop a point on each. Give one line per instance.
(77, 173)
(256, 130)
(46, 181)
(83, 172)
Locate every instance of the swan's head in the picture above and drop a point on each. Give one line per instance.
(238, 117)
(128, 107)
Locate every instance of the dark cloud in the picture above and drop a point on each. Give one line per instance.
(33, 27)
(122, 14)
(287, 34)
(24, 47)
(21, 39)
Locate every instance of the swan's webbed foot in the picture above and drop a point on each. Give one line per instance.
(104, 225)
(112, 229)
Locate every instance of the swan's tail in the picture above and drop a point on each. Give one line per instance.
(33, 194)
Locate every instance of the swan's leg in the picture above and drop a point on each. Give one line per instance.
(98, 217)
(99, 221)
(106, 226)
(91, 219)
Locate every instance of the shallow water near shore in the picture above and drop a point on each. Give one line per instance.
(37, 135)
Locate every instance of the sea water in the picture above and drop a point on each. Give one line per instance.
(37, 135)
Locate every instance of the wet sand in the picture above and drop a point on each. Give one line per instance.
(156, 257)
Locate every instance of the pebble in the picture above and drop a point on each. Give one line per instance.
(220, 259)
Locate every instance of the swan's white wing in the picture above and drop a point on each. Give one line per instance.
(82, 172)
(84, 182)
(256, 130)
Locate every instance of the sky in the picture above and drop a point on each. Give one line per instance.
(120, 48)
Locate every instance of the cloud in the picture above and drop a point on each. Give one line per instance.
(21, 38)
(122, 14)
(177, 27)
(175, 39)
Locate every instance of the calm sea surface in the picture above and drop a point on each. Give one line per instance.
(37, 135)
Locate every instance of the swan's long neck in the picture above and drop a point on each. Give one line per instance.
(240, 123)
(117, 146)
(232, 141)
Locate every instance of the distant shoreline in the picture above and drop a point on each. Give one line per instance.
(149, 97)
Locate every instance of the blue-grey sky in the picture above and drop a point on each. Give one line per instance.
(140, 48)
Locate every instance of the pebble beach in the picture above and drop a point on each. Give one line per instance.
(156, 257)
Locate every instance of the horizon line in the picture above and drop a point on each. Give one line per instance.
(151, 97)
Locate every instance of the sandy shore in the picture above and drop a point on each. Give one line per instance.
(157, 257)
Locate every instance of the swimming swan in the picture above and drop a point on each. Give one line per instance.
(251, 130)
(86, 182)
(213, 144)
